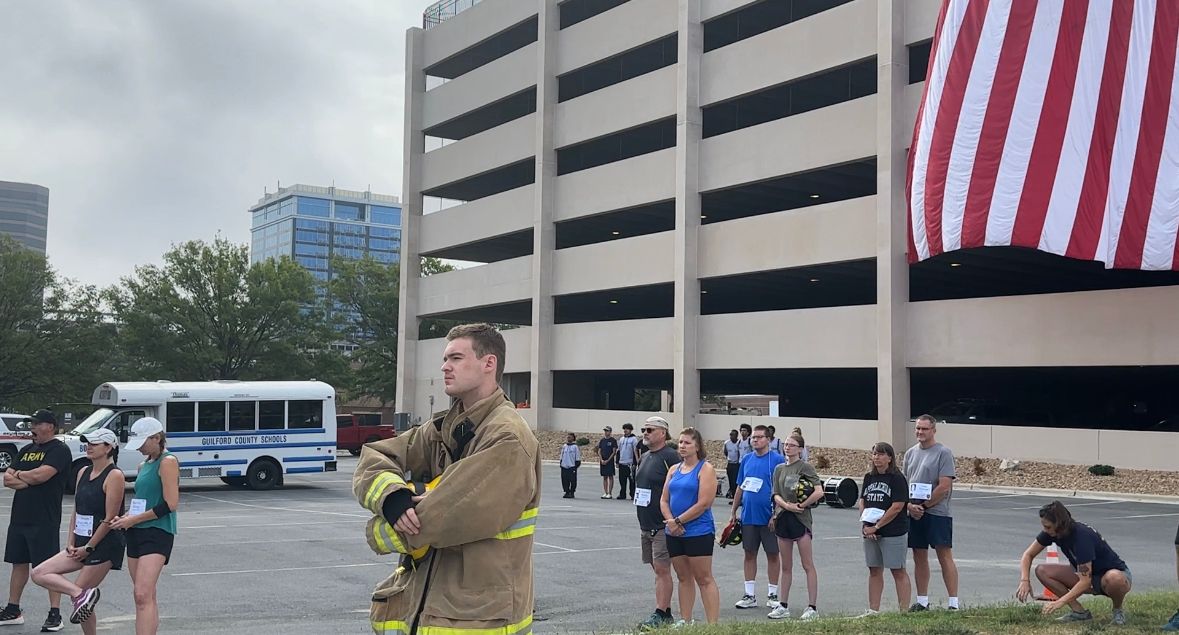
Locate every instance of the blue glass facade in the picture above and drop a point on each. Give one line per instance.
(311, 230)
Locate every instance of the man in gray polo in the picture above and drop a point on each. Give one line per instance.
(929, 468)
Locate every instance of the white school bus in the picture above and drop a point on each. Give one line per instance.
(247, 433)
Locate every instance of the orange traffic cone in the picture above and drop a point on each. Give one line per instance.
(1053, 557)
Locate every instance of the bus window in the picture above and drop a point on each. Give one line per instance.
(181, 417)
(271, 415)
(211, 416)
(305, 414)
(241, 415)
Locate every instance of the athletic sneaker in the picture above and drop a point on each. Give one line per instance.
(657, 620)
(869, 613)
(52, 622)
(606, 497)
(772, 601)
(621, 497)
(917, 607)
(1119, 617)
(84, 606)
(682, 623)
(1074, 616)
(1172, 625)
(746, 602)
(809, 614)
(779, 612)
(11, 616)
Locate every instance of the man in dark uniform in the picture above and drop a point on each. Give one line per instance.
(38, 477)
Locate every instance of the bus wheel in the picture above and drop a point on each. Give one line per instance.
(234, 481)
(354, 451)
(263, 474)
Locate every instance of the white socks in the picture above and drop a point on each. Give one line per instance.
(750, 587)
(773, 589)
(952, 603)
(923, 600)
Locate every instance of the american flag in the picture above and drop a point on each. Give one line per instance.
(1050, 124)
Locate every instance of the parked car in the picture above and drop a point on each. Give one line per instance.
(987, 412)
(356, 429)
(14, 435)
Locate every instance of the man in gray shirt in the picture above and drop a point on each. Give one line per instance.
(929, 468)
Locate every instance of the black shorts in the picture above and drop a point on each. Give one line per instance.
(142, 541)
(109, 550)
(931, 531)
(692, 546)
(607, 469)
(1177, 536)
(31, 544)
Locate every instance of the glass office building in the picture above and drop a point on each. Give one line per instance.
(311, 224)
(24, 213)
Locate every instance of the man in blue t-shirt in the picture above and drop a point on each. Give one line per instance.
(755, 500)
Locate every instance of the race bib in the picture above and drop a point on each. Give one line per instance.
(920, 491)
(642, 497)
(752, 484)
(84, 525)
(138, 506)
(872, 515)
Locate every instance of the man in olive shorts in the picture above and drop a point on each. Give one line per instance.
(649, 479)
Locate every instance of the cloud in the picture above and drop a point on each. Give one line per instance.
(153, 123)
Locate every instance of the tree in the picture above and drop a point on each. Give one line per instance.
(55, 345)
(371, 290)
(209, 314)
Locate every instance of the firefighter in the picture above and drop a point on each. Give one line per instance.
(465, 543)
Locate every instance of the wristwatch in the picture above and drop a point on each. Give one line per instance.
(88, 548)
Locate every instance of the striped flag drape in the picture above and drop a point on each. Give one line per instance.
(1050, 124)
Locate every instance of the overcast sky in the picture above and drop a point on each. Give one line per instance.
(153, 122)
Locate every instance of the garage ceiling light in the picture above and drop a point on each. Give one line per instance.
(814, 279)
(614, 302)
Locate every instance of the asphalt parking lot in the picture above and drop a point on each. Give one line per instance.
(294, 561)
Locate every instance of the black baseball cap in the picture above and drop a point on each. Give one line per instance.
(43, 416)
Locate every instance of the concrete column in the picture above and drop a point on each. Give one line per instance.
(686, 377)
(543, 230)
(411, 219)
(892, 270)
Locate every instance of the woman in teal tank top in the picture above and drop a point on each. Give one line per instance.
(151, 520)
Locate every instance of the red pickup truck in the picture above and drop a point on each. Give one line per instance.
(354, 430)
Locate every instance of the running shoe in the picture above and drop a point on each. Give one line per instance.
(780, 612)
(657, 620)
(868, 613)
(772, 601)
(11, 616)
(52, 622)
(746, 602)
(84, 606)
(1075, 616)
(809, 614)
(1172, 625)
(1119, 617)
(918, 607)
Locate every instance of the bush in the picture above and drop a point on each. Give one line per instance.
(980, 467)
(822, 462)
(1101, 470)
(583, 441)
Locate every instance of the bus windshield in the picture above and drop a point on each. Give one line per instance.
(93, 422)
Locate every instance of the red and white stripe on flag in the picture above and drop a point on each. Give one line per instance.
(1050, 124)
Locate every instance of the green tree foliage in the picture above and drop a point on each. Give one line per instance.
(209, 314)
(55, 345)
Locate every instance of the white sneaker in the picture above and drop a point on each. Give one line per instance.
(682, 623)
(746, 602)
(605, 496)
(809, 614)
(868, 613)
(772, 601)
(779, 612)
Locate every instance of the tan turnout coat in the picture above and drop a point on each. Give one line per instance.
(478, 521)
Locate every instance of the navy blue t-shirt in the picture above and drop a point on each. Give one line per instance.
(1084, 544)
(607, 448)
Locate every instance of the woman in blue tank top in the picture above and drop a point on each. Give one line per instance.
(687, 512)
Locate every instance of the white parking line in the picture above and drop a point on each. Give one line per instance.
(553, 546)
(546, 553)
(329, 566)
(1072, 505)
(1142, 516)
(979, 498)
(314, 522)
(284, 509)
